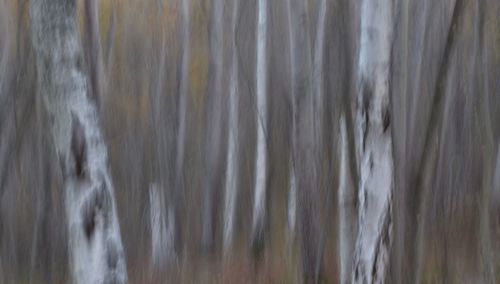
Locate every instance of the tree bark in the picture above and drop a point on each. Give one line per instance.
(259, 208)
(232, 164)
(374, 144)
(212, 165)
(95, 247)
(304, 141)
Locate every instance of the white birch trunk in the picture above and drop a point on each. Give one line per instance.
(259, 209)
(162, 230)
(374, 144)
(347, 213)
(95, 247)
(231, 185)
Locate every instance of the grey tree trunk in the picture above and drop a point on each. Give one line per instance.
(347, 209)
(304, 141)
(292, 198)
(4, 50)
(259, 208)
(162, 242)
(318, 72)
(213, 128)
(292, 192)
(95, 247)
(183, 93)
(231, 185)
(374, 144)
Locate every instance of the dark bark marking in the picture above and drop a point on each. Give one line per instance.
(366, 98)
(374, 266)
(371, 161)
(89, 222)
(98, 202)
(386, 119)
(78, 147)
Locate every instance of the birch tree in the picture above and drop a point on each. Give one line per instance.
(374, 144)
(304, 141)
(259, 208)
(95, 247)
(232, 163)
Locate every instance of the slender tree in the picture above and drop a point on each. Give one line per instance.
(374, 144)
(95, 247)
(212, 167)
(418, 188)
(347, 211)
(304, 141)
(232, 172)
(259, 208)
(184, 29)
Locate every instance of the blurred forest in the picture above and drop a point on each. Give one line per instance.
(233, 130)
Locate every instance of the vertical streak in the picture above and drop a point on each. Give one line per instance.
(232, 155)
(213, 129)
(346, 208)
(292, 194)
(259, 210)
(182, 108)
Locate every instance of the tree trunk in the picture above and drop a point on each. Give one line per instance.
(232, 154)
(304, 141)
(95, 247)
(183, 94)
(374, 144)
(213, 128)
(259, 209)
(347, 209)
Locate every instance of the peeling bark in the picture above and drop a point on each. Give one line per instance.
(374, 144)
(95, 247)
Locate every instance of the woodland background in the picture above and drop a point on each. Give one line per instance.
(140, 50)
